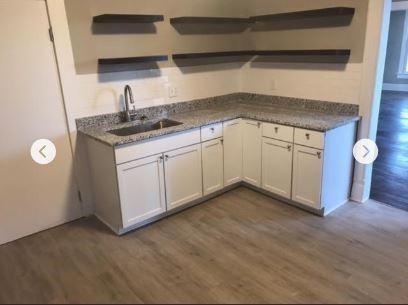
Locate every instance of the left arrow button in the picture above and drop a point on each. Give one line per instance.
(43, 151)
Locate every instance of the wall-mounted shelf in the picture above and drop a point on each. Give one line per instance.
(327, 52)
(309, 14)
(208, 20)
(322, 52)
(123, 18)
(132, 60)
(212, 54)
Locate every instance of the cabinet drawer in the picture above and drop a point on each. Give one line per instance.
(309, 138)
(211, 132)
(279, 132)
(151, 147)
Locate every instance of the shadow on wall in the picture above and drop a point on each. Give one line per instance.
(152, 68)
(123, 28)
(188, 66)
(107, 74)
(323, 22)
(210, 29)
(299, 66)
(333, 62)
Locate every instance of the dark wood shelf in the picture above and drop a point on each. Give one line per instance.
(123, 18)
(327, 52)
(212, 54)
(318, 13)
(132, 60)
(208, 20)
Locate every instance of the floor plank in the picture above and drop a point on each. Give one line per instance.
(390, 173)
(241, 247)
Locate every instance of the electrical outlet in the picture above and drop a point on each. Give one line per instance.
(172, 91)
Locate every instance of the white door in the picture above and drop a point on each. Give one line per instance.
(277, 159)
(232, 133)
(307, 175)
(252, 152)
(32, 197)
(183, 174)
(213, 166)
(141, 189)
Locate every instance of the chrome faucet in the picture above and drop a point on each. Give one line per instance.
(129, 101)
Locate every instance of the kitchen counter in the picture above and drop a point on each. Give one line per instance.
(312, 115)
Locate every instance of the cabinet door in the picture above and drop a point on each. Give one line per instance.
(277, 167)
(252, 152)
(232, 132)
(213, 166)
(307, 176)
(183, 176)
(141, 188)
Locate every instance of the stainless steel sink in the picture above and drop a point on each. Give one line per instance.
(128, 131)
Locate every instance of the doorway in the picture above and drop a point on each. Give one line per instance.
(390, 171)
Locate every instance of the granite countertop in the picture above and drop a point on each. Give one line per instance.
(279, 113)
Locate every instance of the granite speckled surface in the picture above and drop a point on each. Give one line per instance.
(314, 115)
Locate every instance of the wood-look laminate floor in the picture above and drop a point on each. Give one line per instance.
(390, 171)
(241, 247)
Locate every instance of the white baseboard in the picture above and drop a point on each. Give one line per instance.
(395, 87)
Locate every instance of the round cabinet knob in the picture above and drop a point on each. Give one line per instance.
(212, 129)
(308, 136)
(319, 155)
(276, 129)
(289, 147)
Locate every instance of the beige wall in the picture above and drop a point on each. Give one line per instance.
(91, 42)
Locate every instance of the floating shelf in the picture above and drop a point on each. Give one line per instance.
(319, 13)
(327, 52)
(212, 54)
(122, 18)
(208, 20)
(132, 60)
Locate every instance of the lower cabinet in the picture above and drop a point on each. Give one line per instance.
(277, 167)
(183, 175)
(232, 133)
(252, 152)
(213, 166)
(307, 176)
(141, 189)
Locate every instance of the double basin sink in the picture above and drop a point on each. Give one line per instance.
(145, 127)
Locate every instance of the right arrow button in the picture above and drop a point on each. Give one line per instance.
(365, 151)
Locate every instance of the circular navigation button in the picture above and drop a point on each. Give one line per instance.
(43, 151)
(365, 151)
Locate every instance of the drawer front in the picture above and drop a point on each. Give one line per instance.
(309, 138)
(155, 146)
(211, 132)
(279, 132)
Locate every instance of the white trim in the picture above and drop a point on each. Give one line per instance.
(378, 21)
(400, 6)
(402, 73)
(395, 87)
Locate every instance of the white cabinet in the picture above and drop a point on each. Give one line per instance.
(183, 176)
(277, 167)
(252, 152)
(141, 189)
(307, 176)
(213, 166)
(232, 132)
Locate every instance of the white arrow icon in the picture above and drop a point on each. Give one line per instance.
(365, 151)
(43, 151)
